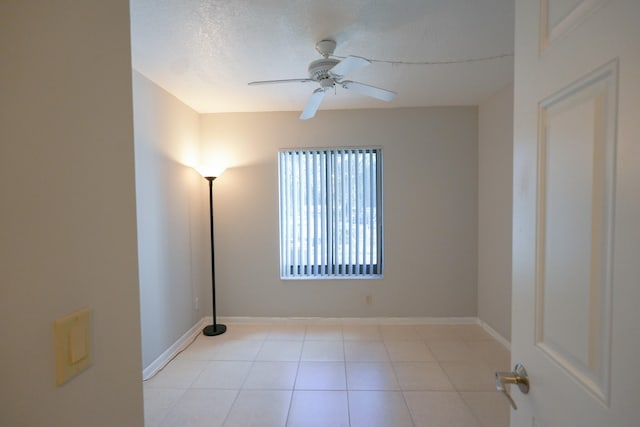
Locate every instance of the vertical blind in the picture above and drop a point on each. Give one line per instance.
(330, 213)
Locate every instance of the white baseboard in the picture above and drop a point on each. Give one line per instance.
(502, 340)
(182, 343)
(353, 320)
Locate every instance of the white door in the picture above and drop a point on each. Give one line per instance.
(576, 225)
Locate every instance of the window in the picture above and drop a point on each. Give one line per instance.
(330, 213)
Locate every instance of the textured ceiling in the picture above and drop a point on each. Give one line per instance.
(206, 51)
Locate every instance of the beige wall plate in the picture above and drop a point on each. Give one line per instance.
(72, 335)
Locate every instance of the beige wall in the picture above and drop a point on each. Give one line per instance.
(68, 220)
(173, 246)
(495, 168)
(430, 212)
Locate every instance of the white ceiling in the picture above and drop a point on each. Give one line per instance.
(206, 51)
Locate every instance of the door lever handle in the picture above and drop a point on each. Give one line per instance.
(518, 376)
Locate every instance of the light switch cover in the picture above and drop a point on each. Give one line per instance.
(72, 344)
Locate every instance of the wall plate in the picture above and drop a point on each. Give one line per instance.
(72, 336)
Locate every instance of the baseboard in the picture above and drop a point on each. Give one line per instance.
(182, 343)
(353, 320)
(502, 340)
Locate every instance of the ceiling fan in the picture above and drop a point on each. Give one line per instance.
(329, 72)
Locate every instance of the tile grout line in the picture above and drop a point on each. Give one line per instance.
(184, 391)
(455, 388)
(346, 378)
(295, 380)
(402, 392)
(241, 388)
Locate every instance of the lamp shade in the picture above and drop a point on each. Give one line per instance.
(210, 170)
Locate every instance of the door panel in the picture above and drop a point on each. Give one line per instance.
(576, 235)
(558, 17)
(576, 179)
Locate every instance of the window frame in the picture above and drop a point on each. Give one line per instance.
(304, 268)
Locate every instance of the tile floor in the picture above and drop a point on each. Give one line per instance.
(293, 373)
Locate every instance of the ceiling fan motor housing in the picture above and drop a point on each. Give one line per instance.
(319, 69)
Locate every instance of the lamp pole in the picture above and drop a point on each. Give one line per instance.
(216, 328)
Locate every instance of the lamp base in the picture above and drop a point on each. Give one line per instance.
(213, 330)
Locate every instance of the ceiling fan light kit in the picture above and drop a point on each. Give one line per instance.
(328, 72)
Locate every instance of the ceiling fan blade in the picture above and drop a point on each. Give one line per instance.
(372, 91)
(269, 82)
(348, 65)
(313, 104)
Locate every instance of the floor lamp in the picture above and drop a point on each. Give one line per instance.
(216, 328)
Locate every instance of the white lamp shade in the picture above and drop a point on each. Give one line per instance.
(211, 170)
